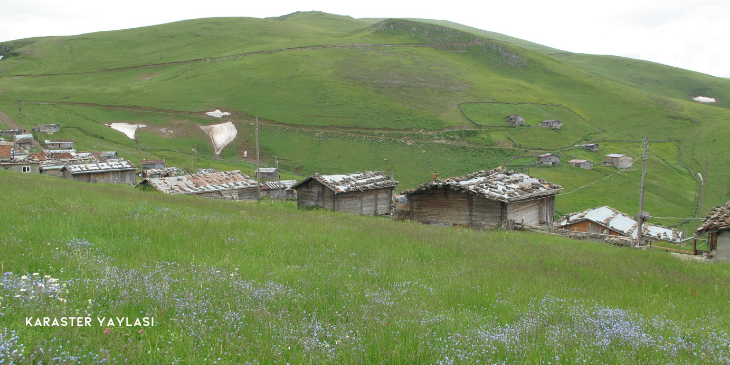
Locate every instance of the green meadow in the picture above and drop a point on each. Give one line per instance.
(266, 283)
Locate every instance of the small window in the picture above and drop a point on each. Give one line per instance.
(26, 168)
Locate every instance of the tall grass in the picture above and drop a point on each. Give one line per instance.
(263, 283)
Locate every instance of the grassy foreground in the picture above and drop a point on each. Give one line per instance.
(266, 283)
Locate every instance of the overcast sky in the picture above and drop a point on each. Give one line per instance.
(690, 34)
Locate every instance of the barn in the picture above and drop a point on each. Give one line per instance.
(118, 171)
(366, 193)
(618, 160)
(548, 159)
(484, 199)
(228, 185)
(717, 226)
(584, 164)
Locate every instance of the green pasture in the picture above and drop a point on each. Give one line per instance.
(265, 283)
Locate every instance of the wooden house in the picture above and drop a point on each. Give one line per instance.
(548, 159)
(269, 173)
(47, 128)
(608, 221)
(717, 226)
(552, 124)
(60, 144)
(23, 141)
(118, 171)
(618, 160)
(584, 164)
(228, 185)
(278, 189)
(153, 164)
(484, 199)
(366, 193)
(590, 146)
(515, 120)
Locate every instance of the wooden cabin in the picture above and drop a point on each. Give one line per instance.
(153, 164)
(584, 164)
(552, 124)
(590, 146)
(228, 185)
(366, 193)
(269, 173)
(484, 199)
(608, 221)
(548, 159)
(118, 171)
(60, 144)
(47, 128)
(278, 189)
(618, 160)
(717, 226)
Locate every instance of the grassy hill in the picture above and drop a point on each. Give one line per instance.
(241, 282)
(336, 94)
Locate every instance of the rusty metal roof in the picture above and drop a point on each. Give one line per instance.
(201, 182)
(621, 223)
(88, 168)
(496, 184)
(718, 219)
(357, 181)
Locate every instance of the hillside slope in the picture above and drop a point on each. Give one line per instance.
(337, 94)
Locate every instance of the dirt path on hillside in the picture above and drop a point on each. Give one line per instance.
(8, 121)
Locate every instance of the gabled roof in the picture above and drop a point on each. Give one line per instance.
(88, 168)
(201, 182)
(496, 184)
(718, 219)
(621, 223)
(357, 181)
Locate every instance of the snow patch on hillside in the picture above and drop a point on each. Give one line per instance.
(220, 134)
(126, 128)
(218, 114)
(704, 99)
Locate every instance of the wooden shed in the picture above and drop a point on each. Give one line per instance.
(228, 185)
(548, 159)
(270, 173)
(278, 189)
(118, 171)
(552, 123)
(484, 199)
(618, 160)
(60, 144)
(23, 141)
(590, 146)
(153, 164)
(47, 128)
(366, 193)
(717, 226)
(584, 164)
(608, 221)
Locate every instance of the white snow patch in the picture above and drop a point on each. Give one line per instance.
(126, 128)
(218, 114)
(220, 134)
(704, 99)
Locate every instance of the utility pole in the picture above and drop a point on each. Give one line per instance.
(278, 173)
(641, 198)
(702, 198)
(258, 162)
(20, 109)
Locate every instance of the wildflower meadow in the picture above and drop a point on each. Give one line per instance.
(141, 277)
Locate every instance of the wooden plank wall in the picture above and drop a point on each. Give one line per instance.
(440, 206)
(485, 213)
(527, 212)
(310, 195)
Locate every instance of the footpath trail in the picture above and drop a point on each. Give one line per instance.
(8, 121)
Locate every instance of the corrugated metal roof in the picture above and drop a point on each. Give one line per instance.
(109, 165)
(357, 181)
(621, 223)
(496, 184)
(284, 184)
(615, 155)
(202, 182)
(717, 219)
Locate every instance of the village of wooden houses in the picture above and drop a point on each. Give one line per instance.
(496, 198)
